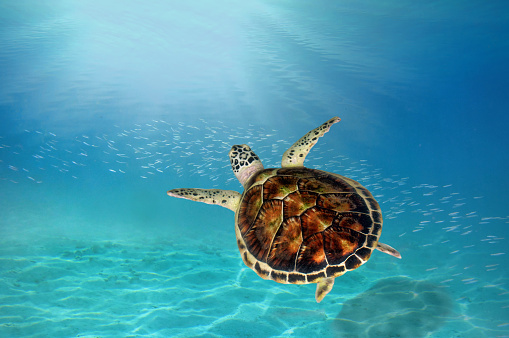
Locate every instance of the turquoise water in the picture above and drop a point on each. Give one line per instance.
(105, 106)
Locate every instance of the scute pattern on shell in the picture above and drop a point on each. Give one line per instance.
(300, 225)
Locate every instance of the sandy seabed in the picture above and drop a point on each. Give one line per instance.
(61, 287)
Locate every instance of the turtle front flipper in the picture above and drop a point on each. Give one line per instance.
(323, 287)
(296, 154)
(388, 250)
(226, 198)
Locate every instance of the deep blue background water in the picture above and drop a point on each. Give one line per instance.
(170, 86)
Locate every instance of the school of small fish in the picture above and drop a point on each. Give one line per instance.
(426, 215)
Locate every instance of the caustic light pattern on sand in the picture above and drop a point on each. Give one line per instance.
(464, 248)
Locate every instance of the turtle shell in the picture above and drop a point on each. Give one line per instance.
(300, 225)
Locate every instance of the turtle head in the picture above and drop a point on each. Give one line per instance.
(244, 162)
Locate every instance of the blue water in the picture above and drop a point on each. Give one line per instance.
(105, 105)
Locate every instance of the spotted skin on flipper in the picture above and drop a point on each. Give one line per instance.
(296, 154)
(226, 198)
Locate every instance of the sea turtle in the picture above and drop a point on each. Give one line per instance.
(298, 225)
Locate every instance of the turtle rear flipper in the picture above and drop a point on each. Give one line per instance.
(296, 154)
(323, 288)
(226, 198)
(388, 250)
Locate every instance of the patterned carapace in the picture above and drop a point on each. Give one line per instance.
(305, 222)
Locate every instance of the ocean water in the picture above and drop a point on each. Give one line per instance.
(106, 105)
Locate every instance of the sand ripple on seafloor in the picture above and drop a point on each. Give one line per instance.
(184, 288)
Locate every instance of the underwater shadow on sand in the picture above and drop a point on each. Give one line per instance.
(394, 307)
